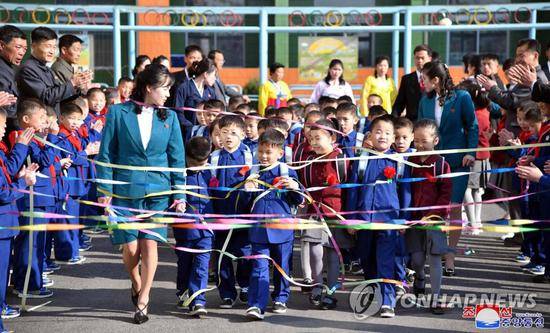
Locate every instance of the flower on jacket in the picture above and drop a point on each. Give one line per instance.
(389, 173)
(244, 170)
(332, 180)
(214, 182)
(277, 182)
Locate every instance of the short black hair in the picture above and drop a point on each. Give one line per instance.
(533, 114)
(93, 91)
(314, 114)
(244, 106)
(377, 111)
(312, 107)
(28, 106)
(532, 44)
(274, 66)
(124, 79)
(68, 41)
(347, 108)
(294, 100)
(192, 48)
(214, 104)
(490, 56)
(284, 110)
(279, 123)
(159, 59)
(272, 137)
(229, 120)
(344, 98)
(387, 118)
(9, 32)
(212, 54)
(255, 116)
(235, 101)
(328, 111)
(427, 123)
(271, 112)
(423, 47)
(198, 148)
(403, 122)
(326, 100)
(297, 110)
(264, 124)
(70, 108)
(41, 34)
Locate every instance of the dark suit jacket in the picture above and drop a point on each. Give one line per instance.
(37, 80)
(221, 90)
(63, 70)
(7, 84)
(179, 77)
(546, 70)
(408, 97)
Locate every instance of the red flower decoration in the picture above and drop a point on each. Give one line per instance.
(276, 182)
(332, 180)
(214, 182)
(244, 170)
(430, 177)
(389, 172)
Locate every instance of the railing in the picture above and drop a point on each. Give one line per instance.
(300, 20)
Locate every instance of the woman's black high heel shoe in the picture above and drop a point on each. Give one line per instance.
(139, 316)
(135, 295)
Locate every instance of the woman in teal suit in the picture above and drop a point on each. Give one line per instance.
(453, 111)
(142, 136)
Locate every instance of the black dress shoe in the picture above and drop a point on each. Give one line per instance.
(135, 295)
(140, 317)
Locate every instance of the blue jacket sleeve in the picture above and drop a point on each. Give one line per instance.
(352, 193)
(7, 193)
(544, 182)
(16, 158)
(293, 198)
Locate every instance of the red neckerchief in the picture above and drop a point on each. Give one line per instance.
(83, 131)
(3, 147)
(72, 136)
(5, 171)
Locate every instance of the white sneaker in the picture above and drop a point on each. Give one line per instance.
(254, 313)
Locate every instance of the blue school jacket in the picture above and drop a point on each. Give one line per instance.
(121, 144)
(230, 177)
(274, 202)
(252, 145)
(187, 95)
(7, 204)
(458, 128)
(197, 205)
(45, 157)
(93, 135)
(404, 190)
(348, 143)
(78, 171)
(377, 197)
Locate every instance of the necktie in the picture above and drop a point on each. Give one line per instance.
(421, 83)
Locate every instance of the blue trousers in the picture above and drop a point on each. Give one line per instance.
(400, 258)
(193, 268)
(5, 252)
(377, 251)
(259, 279)
(21, 253)
(67, 242)
(238, 246)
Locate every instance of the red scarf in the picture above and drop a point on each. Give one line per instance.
(83, 131)
(5, 171)
(72, 136)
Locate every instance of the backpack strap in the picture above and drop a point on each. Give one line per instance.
(288, 154)
(248, 157)
(215, 158)
(362, 122)
(341, 168)
(362, 166)
(200, 131)
(283, 167)
(359, 139)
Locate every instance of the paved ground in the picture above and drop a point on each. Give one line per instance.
(95, 297)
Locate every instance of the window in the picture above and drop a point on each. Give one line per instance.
(461, 42)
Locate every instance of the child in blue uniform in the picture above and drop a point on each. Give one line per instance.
(8, 194)
(70, 140)
(377, 248)
(252, 132)
(346, 113)
(32, 114)
(234, 152)
(403, 128)
(271, 242)
(193, 268)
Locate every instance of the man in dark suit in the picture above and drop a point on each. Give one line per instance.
(411, 87)
(192, 53)
(489, 68)
(527, 76)
(36, 80)
(546, 66)
(220, 88)
(70, 48)
(13, 46)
